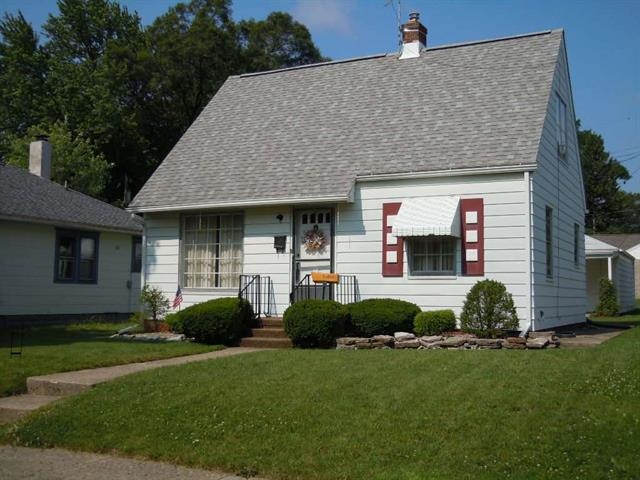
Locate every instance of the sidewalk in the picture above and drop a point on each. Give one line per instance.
(18, 463)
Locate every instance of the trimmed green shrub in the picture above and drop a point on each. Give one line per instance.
(434, 322)
(381, 316)
(488, 309)
(315, 323)
(608, 299)
(220, 321)
(174, 322)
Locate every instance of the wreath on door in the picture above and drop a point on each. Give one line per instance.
(314, 240)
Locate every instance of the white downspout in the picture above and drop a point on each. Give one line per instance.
(528, 239)
(143, 265)
(610, 268)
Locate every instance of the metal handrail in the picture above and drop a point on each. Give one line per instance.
(258, 291)
(345, 291)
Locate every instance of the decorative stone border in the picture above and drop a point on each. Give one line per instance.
(463, 341)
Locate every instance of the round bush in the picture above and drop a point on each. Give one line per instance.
(174, 322)
(488, 309)
(315, 323)
(220, 321)
(381, 316)
(434, 322)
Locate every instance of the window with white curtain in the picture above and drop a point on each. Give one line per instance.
(432, 255)
(212, 250)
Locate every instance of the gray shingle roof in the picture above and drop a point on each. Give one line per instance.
(623, 241)
(28, 197)
(308, 132)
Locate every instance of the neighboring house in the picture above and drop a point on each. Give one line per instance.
(608, 261)
(63, 253)
(411, 176)
(630, 243)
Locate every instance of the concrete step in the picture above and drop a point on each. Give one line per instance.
(272, 322)
(12, 408)
(268, 332)
(266, 342)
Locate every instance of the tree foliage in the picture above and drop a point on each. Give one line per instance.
(610, 209)
(127, 91)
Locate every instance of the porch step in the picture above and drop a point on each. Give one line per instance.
(268, 332)
(266, 342)
(272, 322)
(12, 408)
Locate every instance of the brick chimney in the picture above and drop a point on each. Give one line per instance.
(414, 37)
(40, 157)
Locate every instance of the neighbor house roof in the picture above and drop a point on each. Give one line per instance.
(623, 241)
(28, 197)
(595, 247)
(307, 133)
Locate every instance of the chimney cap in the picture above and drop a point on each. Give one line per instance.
(43, 137)
(414, 16)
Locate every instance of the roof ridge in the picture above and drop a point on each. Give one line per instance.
(391, 54)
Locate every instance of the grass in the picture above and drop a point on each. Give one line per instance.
(628, 318)
(73, 347)
(371, 414)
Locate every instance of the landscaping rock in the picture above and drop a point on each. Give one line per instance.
(453, 342)
(412, 343)
(431, 339)
(126, 330)
(537, 343)
(380, 341)
(517, 340)
(488, 342)
(347, 340)
(548, 335)
(345, 347)
(403, 336)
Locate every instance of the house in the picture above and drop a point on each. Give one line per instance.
(410, 176)
(630, 243)
(63, 255)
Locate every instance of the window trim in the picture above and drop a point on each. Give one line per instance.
(561, 124)
(548, 241)
(134, 268)
(78, 235)
(181, 272)
(443, 274)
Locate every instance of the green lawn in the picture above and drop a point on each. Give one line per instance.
(73, 347)
(629, 318)
(382, 414)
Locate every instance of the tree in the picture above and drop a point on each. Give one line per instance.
(22, 78)
(75, 161)
(602, 175)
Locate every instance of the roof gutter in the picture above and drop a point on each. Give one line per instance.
(446, 173)
(65, 224)
(247, 203)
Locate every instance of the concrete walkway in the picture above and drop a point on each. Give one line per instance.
(18, 463)
(45, 389)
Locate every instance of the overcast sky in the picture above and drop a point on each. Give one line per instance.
(603, 40)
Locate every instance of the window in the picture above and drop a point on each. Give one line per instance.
(549, 240)
(432, 255)
(561, 125)
(136, 255)
(576, 244)
(212, 250)
(76, 257)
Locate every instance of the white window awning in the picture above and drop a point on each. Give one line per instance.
(419, 217)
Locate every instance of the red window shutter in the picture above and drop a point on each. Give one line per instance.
(392, 254)
(472, 221)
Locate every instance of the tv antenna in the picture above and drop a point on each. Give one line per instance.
(397, 9)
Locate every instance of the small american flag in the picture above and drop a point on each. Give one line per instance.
(178, 300)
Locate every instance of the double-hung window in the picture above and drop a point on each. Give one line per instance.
(76, 257)
(432, 255)
(212, 250)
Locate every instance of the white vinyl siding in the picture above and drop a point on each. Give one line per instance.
(623, 279)
(557, 184)
(27, 263)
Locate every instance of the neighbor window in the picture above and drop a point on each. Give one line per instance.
(212, 250)
(561, 125)
(576, 244)
(76, 257)
(549, 240)
(136, 255)
(432, 255)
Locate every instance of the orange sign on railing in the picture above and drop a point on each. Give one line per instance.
(323, 277)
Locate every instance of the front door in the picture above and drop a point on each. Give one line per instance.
(313, 241)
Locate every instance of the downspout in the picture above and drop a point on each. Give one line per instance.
(143, 264)
(528, 238)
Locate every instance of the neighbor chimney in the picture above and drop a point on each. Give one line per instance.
(414, 37)
(40, 157)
